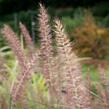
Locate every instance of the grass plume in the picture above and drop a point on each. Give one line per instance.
(24, 63)
(76, 94)
(46, 46)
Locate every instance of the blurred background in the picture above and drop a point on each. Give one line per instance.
(86, 22)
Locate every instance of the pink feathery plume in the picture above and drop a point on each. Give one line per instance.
(46, 46)
(73, 89)
(26, 35)
(25, 65)
(33, 54)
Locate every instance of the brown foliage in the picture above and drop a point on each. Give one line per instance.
(91, 39)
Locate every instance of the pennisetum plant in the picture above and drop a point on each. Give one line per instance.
(25, 64)
(73, 86)
(33, 54)
(15, 45)
(46, 48)
(62, 73)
